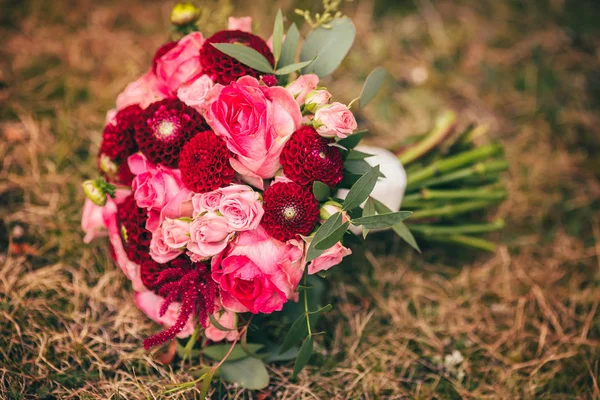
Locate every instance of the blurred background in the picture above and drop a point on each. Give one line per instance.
(520, 323)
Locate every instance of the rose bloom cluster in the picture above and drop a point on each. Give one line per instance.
(214, 165)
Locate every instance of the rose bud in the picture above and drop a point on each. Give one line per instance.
(184, 13)
(330, 208)
(94, 192)
(316, 98)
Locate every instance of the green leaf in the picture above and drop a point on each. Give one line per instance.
(361, 189)
(303, 356)
(332, 239)
(217, 325)
(246, 55)
(278, 35)
(206, 383)
(249, 373)
(290, 45)
(329, 226)
(381, 221)
(368, 210)
(357, 155)
(371, 87)
(352, 141)
(297, 331)
(402, 230)
(288, 69)
(331, 45)
(321, 190)
(325, 309)
(218, 351)
(273, 353)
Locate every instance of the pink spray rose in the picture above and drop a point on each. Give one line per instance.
(195, 93)
(335, 120)
(143, 91)
(241, 207)
(150, 304)
(240, 24)
(255, 121)
(92, 221)
(258, 273)
(206, 202)
(180, 64)
(330, 258)
(169, 232)
(227, 320)
(316, 98)
(153, 186)
(209, 235)
(176, 233)
(302, 86)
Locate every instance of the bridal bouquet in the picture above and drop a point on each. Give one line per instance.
(229, 178)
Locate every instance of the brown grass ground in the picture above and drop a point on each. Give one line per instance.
(523, 323)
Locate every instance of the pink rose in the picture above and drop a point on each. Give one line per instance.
(207, 202)
(302, 86)
(129, 268)
(241, 207)
(316, 98)
(258, 273)
(335, 120)
(209, 235)
(255, 121)
(228, 320)
(176, 233)
(143, 91)
(195, 93)
(330, 258)
(150, 304)
(240, 24)
(153, 186)
(160, 251)
(180, 64)
(92, 221)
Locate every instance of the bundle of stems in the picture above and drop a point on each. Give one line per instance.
(452, 183)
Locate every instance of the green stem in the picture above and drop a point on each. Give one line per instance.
(443, 126)
(451, 209)
(455, 162)
(306, 312)
(480, 194)
(421, 180)
(468, 241)
(433, 230)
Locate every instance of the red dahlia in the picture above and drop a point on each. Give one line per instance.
(308, 157)
(192, 286)
(224, 69)
(290, 210)
(136, 238)
(118, 143)
(164, 127)
(162, 50)
(204, 163)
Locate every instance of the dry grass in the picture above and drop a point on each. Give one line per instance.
(522, 324)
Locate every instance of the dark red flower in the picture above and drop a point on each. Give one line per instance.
(164, 127)
(162, 50)
(204, 163)
(192, 286)
(269, 80)
(118, 143)
(308, 157)
(136, 238)
(290, 210)
(224, 69)
(149, 272)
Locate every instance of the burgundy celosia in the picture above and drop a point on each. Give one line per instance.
(224, 69)
(136, 238)
(308, 157)
(290, 210)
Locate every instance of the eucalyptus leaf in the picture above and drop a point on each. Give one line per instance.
(290, 45)
(357, 155)
(218, 351)
(246, 55)
(371, 87)
(288, 69)
(321, 190)
(325, 309)
(297, 331)
(249, 373)
(330, 45)
(368, 210)
(352, 141)
(206, 383)
(274, 355)
(361, 190)
(332, 239)
(402, 230)
(278, 35)
(329, 226)
(381, 221)
(303, 356)
(218, 325)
